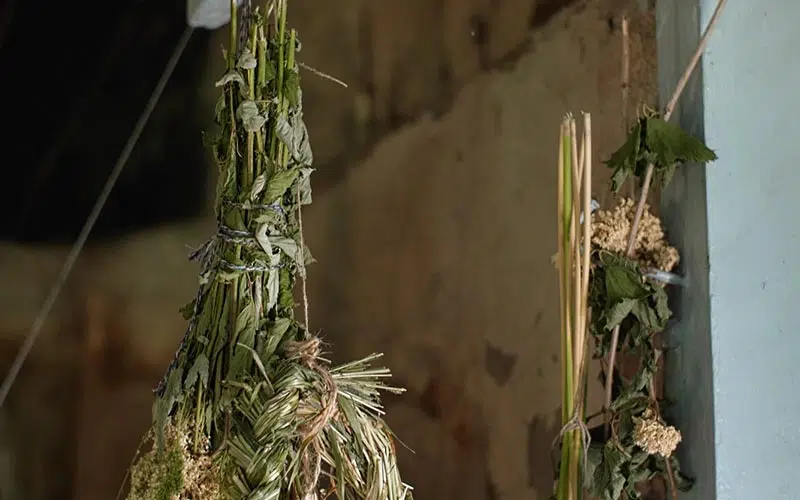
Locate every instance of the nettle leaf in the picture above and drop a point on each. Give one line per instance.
(612, 461)
(291, 88)
(305, 185)
(671, 144)
(623, 161)
(618, 312)
(198, 372)
(250, 116)
(259, 183)
(630, 402)
(623, 283)
(291, 130)
(269, 71)
(662, 303)
(279, 183)
(187, 311)
(163, 405)
(245, 321)
(290, 247)
(592, 481)
(234, 77)
(655, 141)
(668, 145)
(247, 60)
(648, 317)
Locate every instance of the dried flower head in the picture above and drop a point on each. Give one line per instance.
(610, 230)
(175, 473)
(653, 436)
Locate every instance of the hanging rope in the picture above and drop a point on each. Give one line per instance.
(80, 242)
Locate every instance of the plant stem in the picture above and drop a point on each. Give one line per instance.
(668, 110)
(565, 197)
(233, 41)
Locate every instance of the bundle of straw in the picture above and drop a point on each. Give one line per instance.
(573, 263)
(248, 408)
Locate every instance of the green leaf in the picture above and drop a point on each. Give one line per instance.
(662, 304)
(630, 402)
(671, 144)
(623, 161)
(198, 371)
(269, 71)
(259, 183)
(187, 311)
(618, 312)
(163, 405)
(279, 183)
(623, 283)
(591, 478)
(291, 88)
(648, 317)
(613, 459)
(245, 322)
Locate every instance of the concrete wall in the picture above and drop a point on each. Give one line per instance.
(436, 250)
(738, 318)
(433, 224)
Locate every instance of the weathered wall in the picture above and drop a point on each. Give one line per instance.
(436, 250)
(433, 225)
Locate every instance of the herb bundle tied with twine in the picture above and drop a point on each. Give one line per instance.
(249, 408)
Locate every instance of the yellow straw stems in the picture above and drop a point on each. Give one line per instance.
(574, 238)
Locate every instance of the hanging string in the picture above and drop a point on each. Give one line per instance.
(303, 274)
(80, 242)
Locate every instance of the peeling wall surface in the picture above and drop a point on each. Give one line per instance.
(433, 225)
(436, 250)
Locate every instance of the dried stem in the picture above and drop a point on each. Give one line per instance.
(687, 73)
(574, 197)
(625, 85)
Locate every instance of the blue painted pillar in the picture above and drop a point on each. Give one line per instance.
(733, 366)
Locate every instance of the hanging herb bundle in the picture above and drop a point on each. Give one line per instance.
(625, 309)
(248, 408)
(630, 308)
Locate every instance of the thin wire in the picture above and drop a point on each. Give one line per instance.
(77, 247)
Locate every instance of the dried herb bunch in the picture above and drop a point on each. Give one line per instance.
(637, 445)
(626, 309)
(248, 408)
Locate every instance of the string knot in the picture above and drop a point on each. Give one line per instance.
(319, 413)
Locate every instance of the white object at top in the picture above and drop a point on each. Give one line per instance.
(209, 14)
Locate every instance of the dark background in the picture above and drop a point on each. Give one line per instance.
(74, 77)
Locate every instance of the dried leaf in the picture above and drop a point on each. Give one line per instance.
(187, 311)
(259, 183)
(291, 88)
(291, 130)
(279, 183)
(305, 186)
(619, 312)
(291, 248)
(199, 371)
(249, 114)
(231, 76)
(247, 60)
